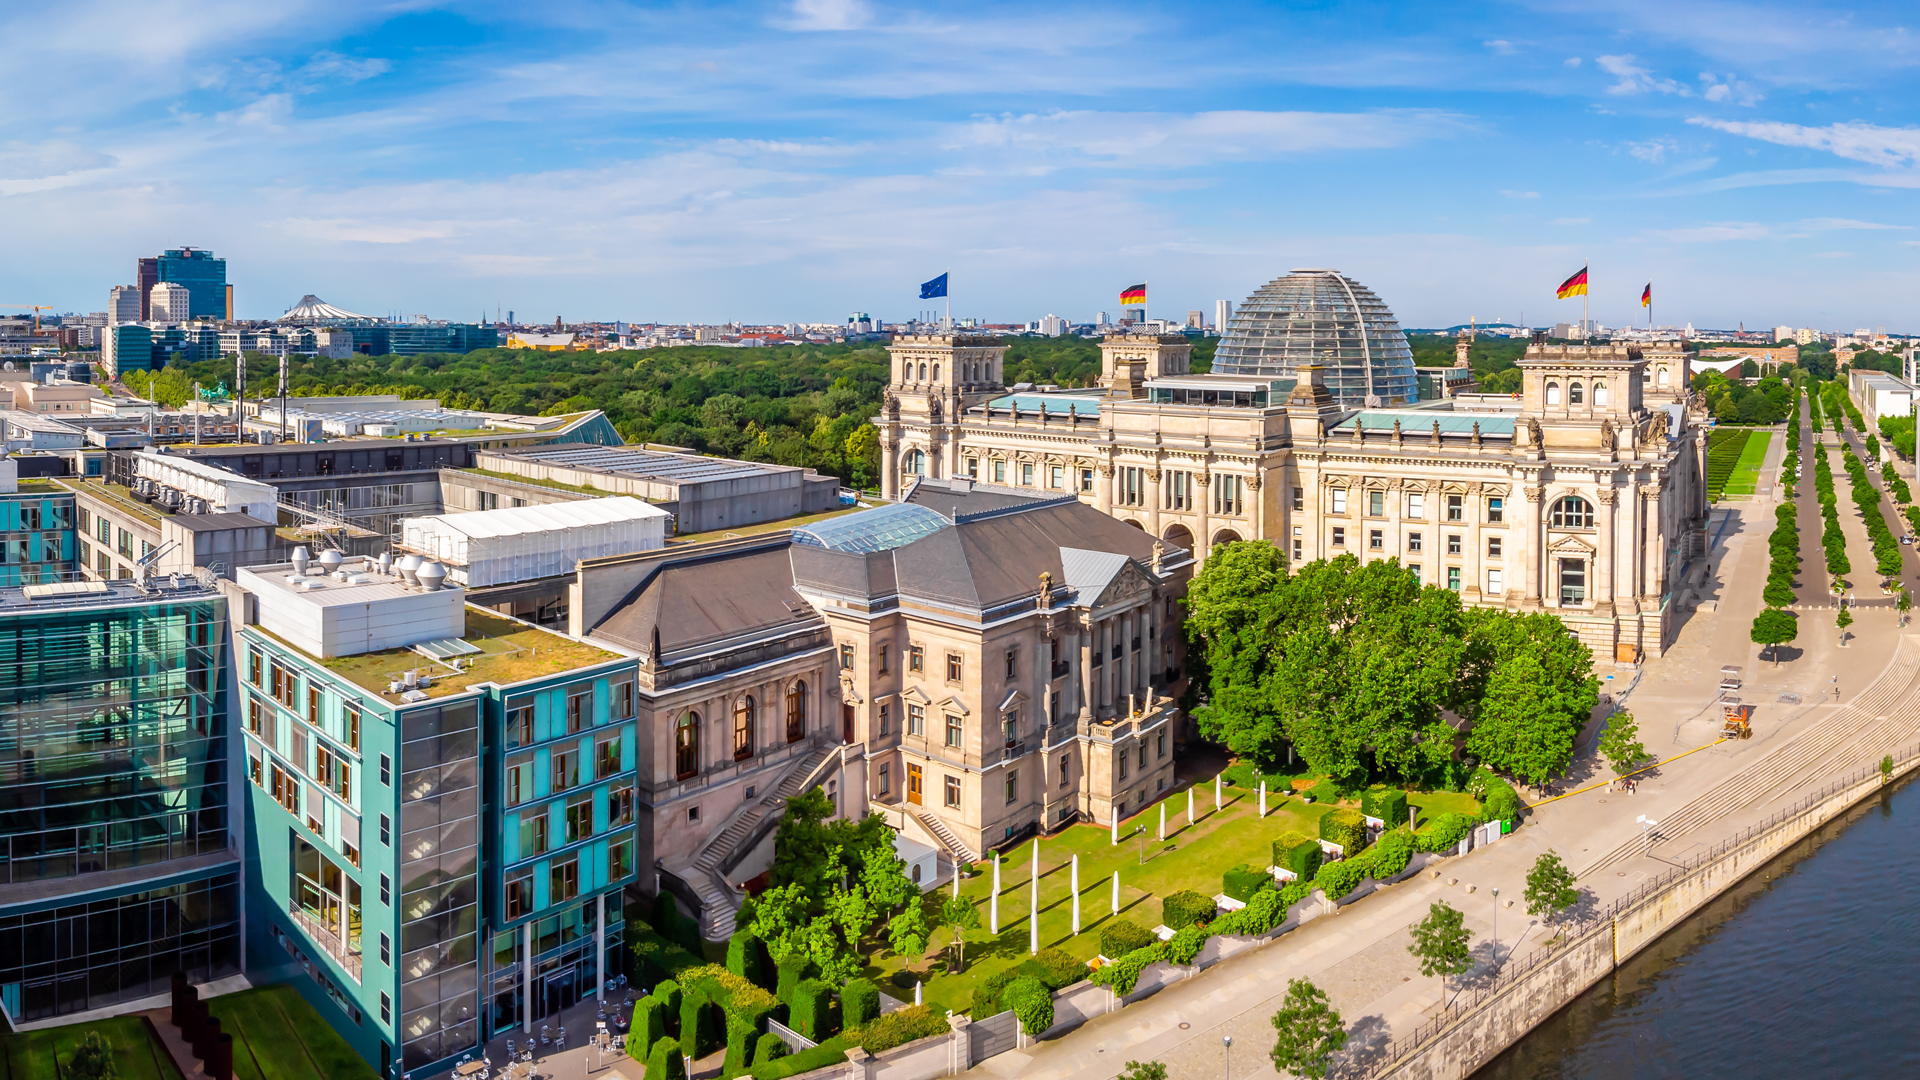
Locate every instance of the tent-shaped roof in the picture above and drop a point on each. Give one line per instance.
(313, 309)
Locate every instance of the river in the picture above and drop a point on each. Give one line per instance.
(1810, 968)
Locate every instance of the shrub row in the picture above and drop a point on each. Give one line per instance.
(1784, 547)
(1886, 547)
(1831, 538)
(1051, 968)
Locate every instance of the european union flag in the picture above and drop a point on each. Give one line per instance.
(935, 288)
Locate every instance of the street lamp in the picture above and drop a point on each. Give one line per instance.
(1646, 833)
(1496, 926)
(1226, 1041)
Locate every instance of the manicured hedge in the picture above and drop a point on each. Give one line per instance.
(649, 1024)
(1186, 908)
(1241, 882)
(1348, 828)
(1388, 806)
(1032, 1002)
(767, 1049)
(673, 926)
(1122, 936)
(665, 1063)
(898, 1028)
(811, 1011)
(745, 956)
(790, 975)
(1445, 832)
(859, 1002)
(655, 958)
(1300, 854)
(1054, 968)
(700, 1029)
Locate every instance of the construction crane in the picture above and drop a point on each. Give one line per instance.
(37, 309)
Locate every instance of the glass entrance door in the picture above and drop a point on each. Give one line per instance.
(557, 990)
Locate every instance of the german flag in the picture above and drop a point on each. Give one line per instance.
(1573, 286)
(1646, 295)
(1134, 295)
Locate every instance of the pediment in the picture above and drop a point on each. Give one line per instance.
(954, 704)
(1129, 584)
(1570, 545)
(1013, 699)
(915, 695)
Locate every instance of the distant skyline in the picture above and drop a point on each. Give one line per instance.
(797, 161)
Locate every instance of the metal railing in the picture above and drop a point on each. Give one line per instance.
(1578, 931)
(324, 936)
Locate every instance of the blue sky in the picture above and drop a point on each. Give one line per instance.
(801, 159)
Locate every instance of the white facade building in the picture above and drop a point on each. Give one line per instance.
(123, 305)
(169, 303)
(1222, 314)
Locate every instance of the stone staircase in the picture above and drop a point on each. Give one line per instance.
(707, 871)
(1856, 734)
(958, 851)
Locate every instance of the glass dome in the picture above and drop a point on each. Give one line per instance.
(1321, 317)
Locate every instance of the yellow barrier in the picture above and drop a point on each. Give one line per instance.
(1623, 776)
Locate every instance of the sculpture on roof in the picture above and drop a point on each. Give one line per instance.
(1046, 591)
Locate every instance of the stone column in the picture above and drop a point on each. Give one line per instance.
(1083, 678)
(1154, 499)
(889, 467)
(1654, 551)
(1103, 640)
(1203, 506)
(1041, 679)
(1609, 537)
(1129, 625)
(1105, 487)
(1536, 544)
(1150, 643)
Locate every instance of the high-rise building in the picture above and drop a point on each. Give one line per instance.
(1053, 326)
(1196, 320)
(116, 862)
(146, 276)
(203, 276)
(1222, 314)
(169, 303)
(124, 305)
(1100, 319)
(126, 347)
(1805, 335)
(1783, 333)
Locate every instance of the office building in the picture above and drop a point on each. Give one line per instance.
(170, 303)
(146, 276)
(441, 808)
(117, 863)
(1053, 326)
(1100, 318)
(1196, 320)
(1222, 315)
(203, 276)
(126, 347)
(123, 305)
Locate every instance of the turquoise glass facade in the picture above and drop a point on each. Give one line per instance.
(37, 539)
(204, 277)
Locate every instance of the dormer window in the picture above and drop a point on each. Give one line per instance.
(1553, 393)
(1575, 395)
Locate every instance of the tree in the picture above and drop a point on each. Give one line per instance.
(1904, 604)
(908, 931)
(1843, 620)
(1440, 944)
(1621, 744)
(1531, 690)
(1143, 1070)
(959, 914)
(1775, 628)
(1550, 886)
(92, 1059)
(1308, 1032)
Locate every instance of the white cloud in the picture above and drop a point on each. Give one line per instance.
(1571, 221)
(1890, 148)
(1653, 152)
(1572, 61)
(41, 161)
(1504, 48)
(1634, 79)
(1715, 232)
(829, 15)
(1149, 139)
(1520, 194)
(1833, 255)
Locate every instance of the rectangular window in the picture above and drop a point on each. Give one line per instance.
(386, 957)
(350, 723)
(1056, 477)
(566, 769)
(520, 722)
(619, 805)
(126, 543)
(1494, 584)
(533, 833)
(973, 466)
(579, 711)
(1339, 500)
(1493, 547)
(256, 664)
(1013, 785)
(519, 895)
(386, 831)
(254, 710)
(886, 779)
(1496, 511)
(386, 1007)
(999, 472)
(105, 530)
(880, 658)
(916, 659)
(579, 818)
(1413, 541)
(1229, 493)
(1417, 579)
(50, 548)
(846, 658)
(343, 779)
(1416, 504)
(886, 720)
(1339, 536)
(1120, 756)
(1160, 750)
(1013, 663)
(620, 859)
(953, 792)
(1376, 539)
(1299, 498)
(283, 688)
(955, 730)
(916, 719)
(1026, 474)
(1456, 508)
(606, 757)
(1063, 772)
(386, 771)
(623, 700)
(563, 882)
(1573, 581)
(519, 779)
(953, 667)
(1454, 546)
(386, 891)
(1086, 480)
(1376, 504)
(313, 705)
(1453, 578)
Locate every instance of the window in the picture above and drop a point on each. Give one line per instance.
(1454, 544)
(533, 833)
(50, 548)
(1418, 577)
(619, 805)
(623, 700)
(1130, 486)
(1013, 663)
(606, 757)
(1376, 504)
(1026, 474)
(563, 881)
(1009, 728)
(1456, 508)
(914, 462)
(579, 818)
(1063, 772)
(1413, 541)
(1086, 480)
(1339, 500)
(797, 711)
(1416, 504)
(1296, 551)
(1572, 512)
(520, 722)
(126, 543)
(386, 831)
(1553, 393)
(916, 719)
(343, 780)
(955, 729)
(1013, 777)
(519, 779)
(520, 895)
(386, 957)
(686, 746)
(255, 664)
(973, 466)
(1160, 750)
(880, 657)
(105, 531)
(1299, 498)
(386, 1003)
(579, 711)
(1376, 539)
(1177, 490)
(1599, 392)
(1120, 756)
(1496, 511)
(350, 723)
(1056, 476)
(1228, 495)
(846, 658)
(999, 471)
(1493, 547)
(743, 728)
(886, 720)
(620, 858)
(1494, 585)
(313, 705)
(1575, 394)
(886, 780)
(1339, 536)
(953, 667)
(386, 771)
(1573, 581)
(283, 690)
(254, 710)
(916, 659)
(566, 769)
(953, 792)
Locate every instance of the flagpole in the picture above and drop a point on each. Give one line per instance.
(1586, 294)
(949, 299)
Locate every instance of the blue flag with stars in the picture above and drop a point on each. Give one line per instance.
(935, 288)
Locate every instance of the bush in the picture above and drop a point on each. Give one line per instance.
(1324, 792)
(699, 1034)
(791, 974)
(1501, 802)
(1187, 944)
(1187, 908)
(675, 927)
(649, 1024)
(1391, 853)
(1388, 806)
(744, 956)
(1032, 1002)
(898, 1028)
(1348, 828)
(1337, 879)
(810, 1011)
(1445, 832)
(1298, 853)
(1124, 973)
(859, 1002)
(1122, 936)
(664, 1062)
(655, 958)
(1054, 969)
(1242, 882)
(767, 1048)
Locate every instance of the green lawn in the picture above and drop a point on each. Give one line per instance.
(1193, 856)
(137, 1054)
(278, 1036)
(1746, 471)
(1724, 449)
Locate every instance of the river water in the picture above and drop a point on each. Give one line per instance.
(1810, 968)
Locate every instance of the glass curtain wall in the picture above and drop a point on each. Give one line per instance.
(439, 864)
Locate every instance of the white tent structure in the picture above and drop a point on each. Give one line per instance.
(525, 543)
(312, 309)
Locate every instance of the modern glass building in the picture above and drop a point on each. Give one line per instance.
(442, 811)
(116, 862)
(204, 276)
(1321, 317)
(37, 540)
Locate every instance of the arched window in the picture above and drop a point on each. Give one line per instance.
(1553, 393)
(936, 373)
(923, 373)
(1599, 392)
(1662, 380)
(743, 728)
(686, 746)
(797, 711)
(1572, 512)
(1575, 395)
(915, 463)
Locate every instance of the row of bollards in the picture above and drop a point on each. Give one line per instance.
(201, 1030)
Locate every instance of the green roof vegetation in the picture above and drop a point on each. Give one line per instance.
(510, 652)
(762, 528)
(114, 495)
